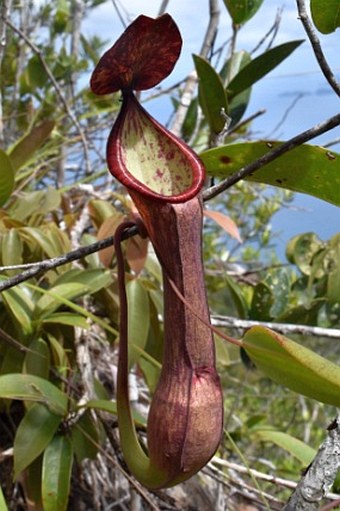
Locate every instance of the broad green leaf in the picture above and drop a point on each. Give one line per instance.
(38, 359)
(211, 93)
(37, 238)
(71, 285)
(242, 10)
(23, 151)
(292, 365)
(11, 248)
(38, 203)
(306, 169)
(6, 177)
(77, 308)
(56, 474)
(294, 446)
(33, 435)
(91, 279)
(28, 387)
(19, 304)
(259, 67)
(326, 15)
(138, 319)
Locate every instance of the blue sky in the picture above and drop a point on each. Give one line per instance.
(297, 79)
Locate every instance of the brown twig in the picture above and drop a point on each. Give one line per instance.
(42, 267)
(315, 42)
(283, 328)
(272, 155)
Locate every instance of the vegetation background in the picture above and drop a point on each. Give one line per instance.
(59, 306)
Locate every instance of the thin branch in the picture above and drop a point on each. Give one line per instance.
(283, 328)
(315, 42)
(249, 119)
(163, 7)
(272, 155)
(260, 475)
(42, 267)
(272, 31)
(55, 84)
(320, 475)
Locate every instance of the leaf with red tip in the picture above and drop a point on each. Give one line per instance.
(142, 57)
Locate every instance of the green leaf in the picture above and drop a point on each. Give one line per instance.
(294, 446)
(11, 248)
(111, 407)
(326, 15)
(239, 103)
(56, 474)
(302, 314)
(39, 203)
(59, 355)
(262, 302)
(47, 304)
(77, 308)
(138, 319)
(38, 359)
(318, 176)
(33, 435)
(190, 121)
(85, 437)
(28, 387)
(6, 177)
(92, 279)
(288, 363)
(333, 281)
(67, 318)
(70, 285)
(242, 10)
(19, 304)
(259, 67)
(301, 250)
(154, 347)
(212, 96)
(23, 151)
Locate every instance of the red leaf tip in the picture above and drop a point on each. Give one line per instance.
(141, 58)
